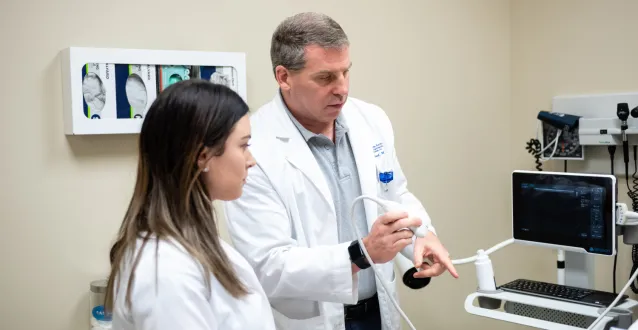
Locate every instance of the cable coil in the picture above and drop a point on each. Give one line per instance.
(534, 147)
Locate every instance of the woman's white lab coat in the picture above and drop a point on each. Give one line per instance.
(285, 223)
(177, 297)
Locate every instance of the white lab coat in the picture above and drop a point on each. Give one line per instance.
(285, 222)
(179, 298)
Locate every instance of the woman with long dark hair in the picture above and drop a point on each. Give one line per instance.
(170, 268)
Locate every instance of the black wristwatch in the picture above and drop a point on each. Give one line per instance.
(356, 255)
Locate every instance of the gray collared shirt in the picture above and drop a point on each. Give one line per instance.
(339, 168)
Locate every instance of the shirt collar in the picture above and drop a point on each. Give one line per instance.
(341, 127)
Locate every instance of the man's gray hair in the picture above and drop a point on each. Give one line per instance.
(296, 32)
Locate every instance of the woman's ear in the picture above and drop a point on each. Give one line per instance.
(203, 158)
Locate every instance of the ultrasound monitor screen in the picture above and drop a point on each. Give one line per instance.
(574, 211)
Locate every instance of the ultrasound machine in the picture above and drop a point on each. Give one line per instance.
(578, 215)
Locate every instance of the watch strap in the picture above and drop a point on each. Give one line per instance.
(356, 255)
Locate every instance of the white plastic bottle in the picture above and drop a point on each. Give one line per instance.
(485, 272)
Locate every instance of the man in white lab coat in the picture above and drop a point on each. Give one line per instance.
(317, 150)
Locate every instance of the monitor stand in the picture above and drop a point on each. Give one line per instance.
(579, 270)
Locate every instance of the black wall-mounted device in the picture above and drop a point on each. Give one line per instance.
(562, 121)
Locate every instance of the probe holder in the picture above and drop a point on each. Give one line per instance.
(546, 313)
(629, 234)
(488, 302)
(537, 311)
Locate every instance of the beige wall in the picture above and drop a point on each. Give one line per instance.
(482, 67)
(572, 47)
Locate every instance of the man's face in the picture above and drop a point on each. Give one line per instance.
(319, 90)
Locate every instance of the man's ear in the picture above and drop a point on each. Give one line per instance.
(283, 77)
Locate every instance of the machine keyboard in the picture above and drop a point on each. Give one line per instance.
(562, 292)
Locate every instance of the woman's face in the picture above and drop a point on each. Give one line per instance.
(226, 174)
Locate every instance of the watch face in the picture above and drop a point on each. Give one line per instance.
(354, 251)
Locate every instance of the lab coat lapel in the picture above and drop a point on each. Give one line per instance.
(300, 156)
(362, 141)
(298, 153)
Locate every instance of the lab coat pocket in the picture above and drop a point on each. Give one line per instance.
(386, 190)
(390, 276)
(391, 317)
(390, 279)
(385, 178)
(283, 322)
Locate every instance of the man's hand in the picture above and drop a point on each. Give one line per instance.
(431, 248)
(386, 238)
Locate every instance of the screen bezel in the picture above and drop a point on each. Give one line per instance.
(608, 181)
